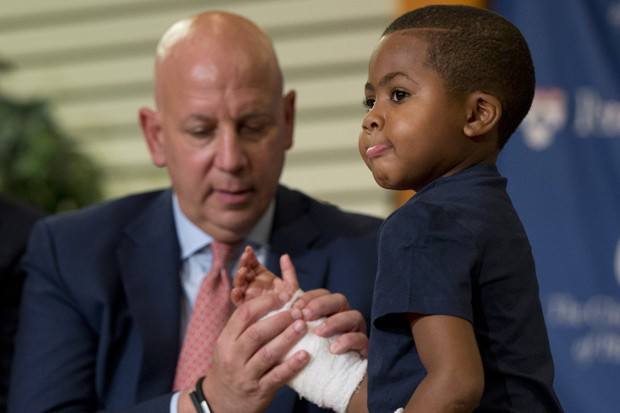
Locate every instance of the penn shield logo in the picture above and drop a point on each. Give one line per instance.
(547, 116)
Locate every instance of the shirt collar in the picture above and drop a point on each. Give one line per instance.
(192, 238)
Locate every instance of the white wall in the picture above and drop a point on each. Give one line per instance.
(93, 61)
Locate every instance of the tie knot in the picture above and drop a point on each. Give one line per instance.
(223, 252)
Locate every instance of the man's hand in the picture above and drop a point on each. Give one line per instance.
(315, 304)
(247, 366)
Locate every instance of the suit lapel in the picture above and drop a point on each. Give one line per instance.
(149, 261)
(294, 233)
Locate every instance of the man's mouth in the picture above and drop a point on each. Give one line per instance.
(233, 196)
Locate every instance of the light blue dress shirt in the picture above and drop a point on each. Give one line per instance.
(197, 257)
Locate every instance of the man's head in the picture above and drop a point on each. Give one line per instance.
(222, 125)
(474, 49)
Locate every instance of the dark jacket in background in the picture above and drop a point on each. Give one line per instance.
(16, 220)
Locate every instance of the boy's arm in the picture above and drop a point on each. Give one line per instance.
(358, 402)
(329, 380)
(449, 352)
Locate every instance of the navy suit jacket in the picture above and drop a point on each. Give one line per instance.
(16, 220)
(99, 323)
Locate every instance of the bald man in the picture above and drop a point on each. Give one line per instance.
(110, 288)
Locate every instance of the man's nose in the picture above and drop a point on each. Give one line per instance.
(230, 155)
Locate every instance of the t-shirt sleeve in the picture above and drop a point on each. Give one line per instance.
(426, 263)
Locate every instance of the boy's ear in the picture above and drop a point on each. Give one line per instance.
(483, 114)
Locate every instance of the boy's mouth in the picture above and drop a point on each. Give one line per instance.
(376, 150)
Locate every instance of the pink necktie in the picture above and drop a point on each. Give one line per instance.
(209, 315)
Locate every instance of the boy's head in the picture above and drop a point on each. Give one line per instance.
(474, 49)
(447, 86)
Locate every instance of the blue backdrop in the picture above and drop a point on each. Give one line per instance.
(563, 169)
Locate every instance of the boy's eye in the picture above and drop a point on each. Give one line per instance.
(399, 95)
(368, 103)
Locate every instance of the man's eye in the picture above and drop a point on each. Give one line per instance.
(368, 103)
(399, 95)
(256, 126)
(253, 129)
(202, 132)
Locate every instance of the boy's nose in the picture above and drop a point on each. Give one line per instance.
(373, 120)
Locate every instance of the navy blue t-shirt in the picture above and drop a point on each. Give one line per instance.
(458, 248)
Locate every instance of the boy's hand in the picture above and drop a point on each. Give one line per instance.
(253, 279)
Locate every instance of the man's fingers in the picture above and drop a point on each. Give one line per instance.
(308, 296)
(320, 303)
(350, 342)
(251, 311)
(350, 327)
(273, 352)
(351, 321)
(284, 372)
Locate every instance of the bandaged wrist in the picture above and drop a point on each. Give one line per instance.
(329, 380)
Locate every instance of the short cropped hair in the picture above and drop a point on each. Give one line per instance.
(474, 49)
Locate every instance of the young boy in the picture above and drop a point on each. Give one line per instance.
(457, 323)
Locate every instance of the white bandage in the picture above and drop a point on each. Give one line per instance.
(329, 380)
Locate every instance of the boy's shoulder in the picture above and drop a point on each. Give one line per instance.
(477, 184)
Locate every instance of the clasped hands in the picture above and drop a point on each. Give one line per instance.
(248, 362)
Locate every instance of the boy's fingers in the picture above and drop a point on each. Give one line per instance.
(245, 256)
(289, 274)
(236, 296)
(239, 278)
(248, 258)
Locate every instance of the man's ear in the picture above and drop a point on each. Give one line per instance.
(289, 116)
(152, 131)
(483, 114)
